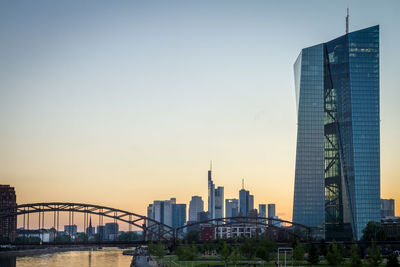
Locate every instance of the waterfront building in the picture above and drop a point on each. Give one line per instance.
(337, 176)
(387, 208)
(71, 229)
(196, 205)
(111, 231)
(8, 226)
(231, 207)
(101, 231)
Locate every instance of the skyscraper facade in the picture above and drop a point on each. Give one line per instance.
(215, 198)
(244, 202)
(387, 208)
(219, 202)
(8, 226)
(231, 207)
(196, 205)
(178, 215)
(337, 177)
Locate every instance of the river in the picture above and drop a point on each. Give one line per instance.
(106, 257)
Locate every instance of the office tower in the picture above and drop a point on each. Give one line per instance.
(387, 208)
(178, 215)
(337, 177)
(219, 202)
(262, 210)
(203, 216)
(244, 197)
(271, 210)
(251, 202)
(211, 195)
(8, 226)
(149, 215)
(196, 205)
(231, 207)
(111, 231)
(215, 198)
(162, 211)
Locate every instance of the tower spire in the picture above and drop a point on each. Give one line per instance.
(210, 165)
(243, 183)
(347, 21)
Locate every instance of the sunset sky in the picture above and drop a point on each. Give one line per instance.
(122, 103)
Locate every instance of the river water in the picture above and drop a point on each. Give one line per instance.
(106, 257)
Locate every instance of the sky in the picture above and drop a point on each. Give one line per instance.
(125, 102)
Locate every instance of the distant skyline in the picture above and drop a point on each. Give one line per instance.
(121, 104)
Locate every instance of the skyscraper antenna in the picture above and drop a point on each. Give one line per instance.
(210, 165)
(347, 21)
(242, 183)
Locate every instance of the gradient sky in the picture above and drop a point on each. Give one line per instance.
(122, 103)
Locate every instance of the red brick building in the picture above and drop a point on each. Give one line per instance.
(8, 226)
(206, 232)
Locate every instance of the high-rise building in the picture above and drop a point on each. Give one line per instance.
(387, 208)
(162, 211)
(251, 202)
(337, 177)
(262, 210)
(8, 226)
(271, 210)
(231, 207)
(219, 202)
(196, 205)
(215, 198)
(178, 215)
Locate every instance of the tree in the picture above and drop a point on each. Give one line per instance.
(192, 236)
(313, 256)
(355, 257)
(262, 252)
(374, 231)
(235, 256)
(128, 236)
(298, 252)
(62, 238)
(334, 255)
(374, 257)
(82, 237)
(392, 261)
(225, 252)
(157, 250)
(247, 249)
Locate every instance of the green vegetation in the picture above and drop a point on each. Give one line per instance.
(374, 231)
(355, 257)
(128, 236)
(313, 256)
(334, 255)
(157, 250)
(298, 252)
(374, 255)
(392, 261)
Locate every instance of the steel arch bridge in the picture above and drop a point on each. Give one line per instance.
(149, 226)
(295, 229)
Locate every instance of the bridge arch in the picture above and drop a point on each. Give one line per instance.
(149, 226)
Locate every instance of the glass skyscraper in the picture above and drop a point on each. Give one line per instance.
(337, 177)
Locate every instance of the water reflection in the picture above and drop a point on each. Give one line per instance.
(98, 258)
